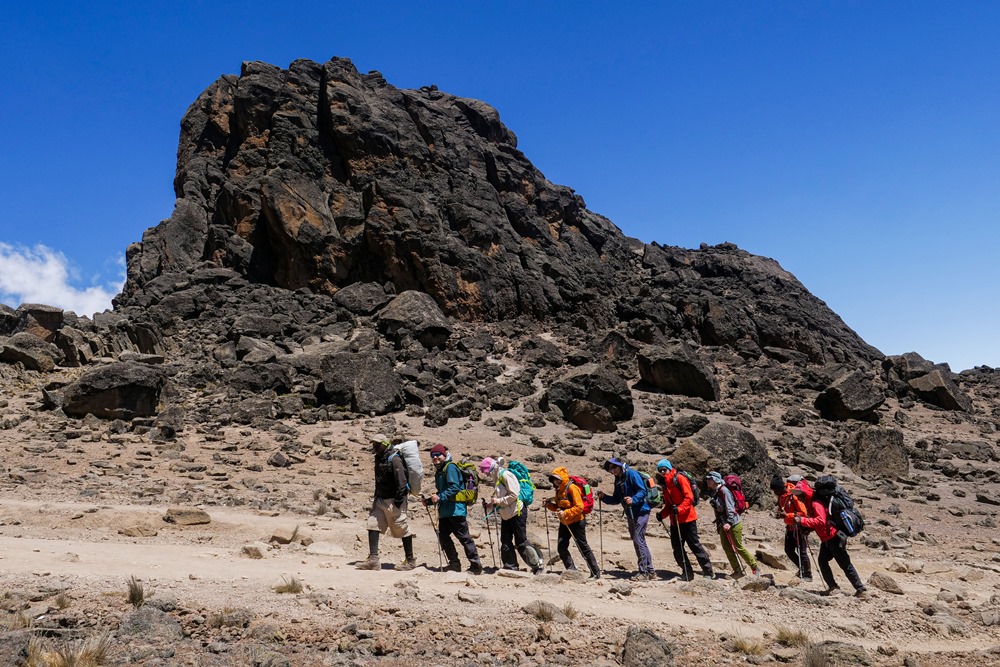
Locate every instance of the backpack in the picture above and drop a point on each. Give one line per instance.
(409, 452)
(585, 491)
(735, 486)
(695, 489)
(841, 512)
(654, 496)
(469, 493)
(523, 475)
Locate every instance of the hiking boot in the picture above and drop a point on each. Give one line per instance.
(453, 567)
(755, 571)
(807, 579)
(861, 594)
(407, 565)
(594, 577)
(830, 591)
(475, 568)
(370, 564)
(708, 575)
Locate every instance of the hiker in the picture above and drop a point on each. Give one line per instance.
(513, 515)
(568, 505)
(833, 543)
(678, 504)
(388, 512)
(796, 536)
(451, 514)
(729, 524)
(630, 490)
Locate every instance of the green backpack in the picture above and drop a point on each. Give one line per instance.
(654, 495)
(470, 483)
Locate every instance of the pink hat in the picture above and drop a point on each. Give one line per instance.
(486, 465)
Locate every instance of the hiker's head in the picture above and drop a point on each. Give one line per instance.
(713, 480)
(380, 443)
(777, 485)
(793, 479)
(555, 480)
(663, 466)
(438, 454)
(614, 466)
(487, 466)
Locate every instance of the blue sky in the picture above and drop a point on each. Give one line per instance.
(857, 143)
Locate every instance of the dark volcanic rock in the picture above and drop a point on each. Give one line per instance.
(30, 350)
(877, 452)
(852, 396)
(41, 320)
(365, 382)
(596, 385)
(676, 369)
(115, 391)
(643, 647)
(362, 298)
(735, 449)
(937, 389)
(321, 177)
(590, 416)
(415, 314)
(8, 320)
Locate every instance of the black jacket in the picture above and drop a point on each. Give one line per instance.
(390, 477)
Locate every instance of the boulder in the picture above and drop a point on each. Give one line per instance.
(122, 390)
(596, 385)
(590, 417)
(643, 647)
(31, 351)
(884, 582)
(40, 320)
(256, 378)
(8, 320)
(938, 389)
(187, 517)
(363, 382)
(675, 368)
(877, 452)
(735, 450)
(416, 314)
(362, 298)
(77, 349)
(852, 396)
(150, 624)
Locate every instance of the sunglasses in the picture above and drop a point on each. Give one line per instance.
(436, 455)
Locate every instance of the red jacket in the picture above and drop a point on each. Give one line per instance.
(790, 505)
(817, 521)
(677, 491)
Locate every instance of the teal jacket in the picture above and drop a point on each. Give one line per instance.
(448, 480)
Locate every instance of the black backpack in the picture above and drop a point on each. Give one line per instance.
(840, 509)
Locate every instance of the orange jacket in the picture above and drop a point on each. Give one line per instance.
(677, 492)
(790, 506)
(569, 498)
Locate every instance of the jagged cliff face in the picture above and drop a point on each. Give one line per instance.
(320, 177)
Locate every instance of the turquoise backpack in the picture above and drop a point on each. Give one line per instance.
(523, 475)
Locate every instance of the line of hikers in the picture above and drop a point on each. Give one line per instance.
(398, 474)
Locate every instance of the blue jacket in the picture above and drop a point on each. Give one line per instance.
(448, 480)
(629, 484)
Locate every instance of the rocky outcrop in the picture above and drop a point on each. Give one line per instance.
(414, 314)
(877, 452)
(29, 350)
(594, 385)
(937, 389)
(735, 450)
(115, 391)
(319, 177)
(852, 396)
(363, 382)
(676, 369)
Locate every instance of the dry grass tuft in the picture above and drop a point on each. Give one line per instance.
(321, 508)
(137, 593)
(16, 621)
(748, 645)
(570, 611)
(290, 585)
(91, 652)
(787, 636)
(544, 613)
(63, 601)
(816, 656)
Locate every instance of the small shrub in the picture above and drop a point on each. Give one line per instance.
(787, 636)
(570, 611)
(544, 613)
(63, 601)
(91, 652)
(17, 621)
(289, 585)
(321, 508)
(137, 593)
(748, 645)
(815, 656)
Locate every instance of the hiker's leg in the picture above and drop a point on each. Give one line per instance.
(792, 547)
(677, 544)
(562, 547)
(803, 544)
(689, 533)
(737, 533)
(507, 556)
(825, 554)
(520, 525)
(579, 530)
(642, 548)
(632, 533)
(730, 554)
(408, 547)
(461, 529)
(445, 529)
(844, 561)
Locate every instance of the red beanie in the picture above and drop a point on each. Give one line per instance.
(439, 449)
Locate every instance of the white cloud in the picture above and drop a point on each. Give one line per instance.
(42, 275)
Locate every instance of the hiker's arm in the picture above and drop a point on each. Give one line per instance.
(614, 498)
(687, 494)
(575, 509)
(729, 503)
(639, 493)
(400, 472)
(453, 483)
(817, 521)
(508, 498)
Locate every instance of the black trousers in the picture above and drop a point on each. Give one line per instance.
(687, 533)
(797, 550)
(514, 540)
(459, 527)
(577, 532)
(836, 549)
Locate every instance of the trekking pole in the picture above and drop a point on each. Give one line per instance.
(680, 545)
(736, 555)
(548, 540)
(437, 535)
(489, 532)
(600, 527)
(798, 547)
